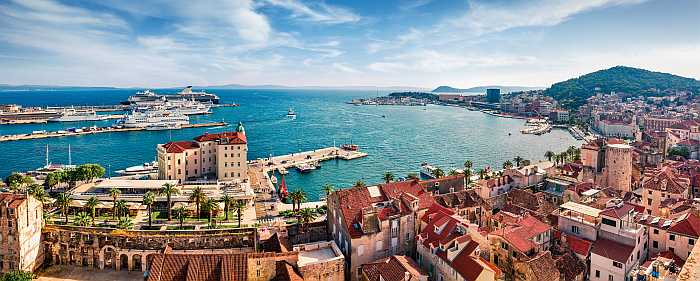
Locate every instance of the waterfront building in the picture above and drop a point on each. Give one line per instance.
(559, 116)
(219, 156)
(21, 220)
(449, 248)
(451, 98)
(493, 95)
(393, 268)
(662, 187)
(490, 188)
(375, 222)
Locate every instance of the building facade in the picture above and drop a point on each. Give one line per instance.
(21, 220)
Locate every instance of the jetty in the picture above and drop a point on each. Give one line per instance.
(93, 130)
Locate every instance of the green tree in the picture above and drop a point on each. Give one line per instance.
(549, 154)
(452, 172)
(438, 173)
(210, 205)
(328, 189)
(388, 177)
(297, 196)
(91, 204)
(169, 190)
(197, 196)
(306, 216)
(467, 172)
(180, 214)
(54, 178)
(228, 201)
(239, 207)
(82, 219)
(37, 191)
(482, 173)
(17, 275)
(125, 223)
(507, 164)
(18, 182)
(412, 176)
(359, 183)
(114, 193)
(679, 151)
(518, 160)
(148, 199)
(63, 201)
(121, 208)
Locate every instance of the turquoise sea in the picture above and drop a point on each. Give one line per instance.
(407, 136)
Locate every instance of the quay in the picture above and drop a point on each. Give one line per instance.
(96, 108)
(93, 130)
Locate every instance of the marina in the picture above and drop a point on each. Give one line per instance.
(93, 130)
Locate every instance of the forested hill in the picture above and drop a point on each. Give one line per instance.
(415, 95)
(573, 93)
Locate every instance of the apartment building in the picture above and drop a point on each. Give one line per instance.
(519, 242)
(661, 187)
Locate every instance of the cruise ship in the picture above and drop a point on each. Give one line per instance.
(154, 119)
(186, 107)
(15, 113)
(186, 94)
(75, 115)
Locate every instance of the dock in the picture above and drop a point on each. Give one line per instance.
(91, 131)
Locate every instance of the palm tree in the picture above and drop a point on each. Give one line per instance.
(412, 176)
(452, 172)
(328, 189)
(549, 154)
(306, 216)
(239, 207)
(482, 173)
(297, 196)
(210, 205)
(468, 165)
(125, 223)
(517, 160)
(197, 196)
(388, 177)
(37, 191)
(148, 199)
(82, 219)
(120, 206)
(114, 193)
(359, 183)
(468, 172)
(227, 200)
(438, 173)
(507, 164)
(180, 214)
(168, 190)
(63, 201)
(91, 203)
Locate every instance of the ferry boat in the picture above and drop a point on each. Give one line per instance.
(305, 168)
(427, 170)
(75, 115)
(186, 107)
(144, 169)
(17, 114)
(153, 118)
(186, 94)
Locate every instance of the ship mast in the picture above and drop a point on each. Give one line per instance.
(47, 155)
(70, 161)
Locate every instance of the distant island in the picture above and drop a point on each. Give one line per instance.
(480, 89)
(415, 95)
(574, 92)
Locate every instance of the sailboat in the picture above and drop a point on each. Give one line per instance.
(51, 167)
(291, 114)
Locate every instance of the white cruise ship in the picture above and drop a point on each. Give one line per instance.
(75, 115)
(186, 107)
(154, 119)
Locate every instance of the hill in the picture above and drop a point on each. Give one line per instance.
(415, 95)
(482, 89)
(573, 93)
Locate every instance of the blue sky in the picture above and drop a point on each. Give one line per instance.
(421, 43)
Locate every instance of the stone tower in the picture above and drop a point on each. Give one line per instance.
(618, 166)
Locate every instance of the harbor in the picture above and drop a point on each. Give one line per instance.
(93, 130)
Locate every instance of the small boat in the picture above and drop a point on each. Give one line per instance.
(283, 171)
(350, 147)
(291, 114)
(146, 168)
(305, 168)
(427, 170)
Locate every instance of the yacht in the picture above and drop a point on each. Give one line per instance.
(305, 168)
(146, 168)
(76, 115)
(291, 113)
(156, 118)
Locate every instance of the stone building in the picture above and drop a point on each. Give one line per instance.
(663, 186)
(618, 163)
(220, 156)
(320, 261)
(393, 268)
(518, 244)
(21, 220)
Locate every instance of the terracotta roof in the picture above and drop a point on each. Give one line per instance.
(612, 250)
(395, 190)
(578, 245)
(521, 234)
(12, 200)
(666, 180)
(179, 146)
(231, 137)
(393, 268)
(462, 199)
(570, 266)
(351, 201)
(622, 211)
(688, 226)
(196, 267)
(544, 267)
(444, 184)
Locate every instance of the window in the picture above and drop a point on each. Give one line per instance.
(617, 264)
(691, 242)
(609, 222)
(655, 244)
(649, 201)
(575, 229)
(504, 246)
(672, 250)
(656, 231)
(597, 273)
(610, 277)
(672, 237)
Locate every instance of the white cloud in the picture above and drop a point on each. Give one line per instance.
(318, 12)
(344, 68)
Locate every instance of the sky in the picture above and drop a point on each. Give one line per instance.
(418, 43)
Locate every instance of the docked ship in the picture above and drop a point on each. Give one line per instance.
(186, 94)
(10, 114)
(154, 119)
(146, 168)
(427, 171)
(186, 107)
(75, 115)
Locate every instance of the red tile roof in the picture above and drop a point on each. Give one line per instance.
(351, 201)
(393, 268)
(231, 137)
(522, 234)
(612, 250)
(179, 146)
(395, 190)
(578, 245)
(688, 226)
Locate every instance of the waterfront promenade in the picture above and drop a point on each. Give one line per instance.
(90, 131)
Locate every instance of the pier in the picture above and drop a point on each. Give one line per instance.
(93, 130)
